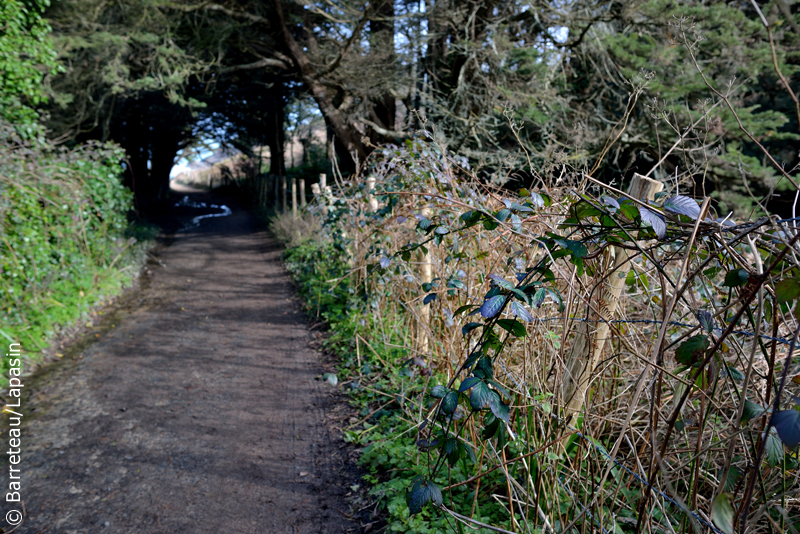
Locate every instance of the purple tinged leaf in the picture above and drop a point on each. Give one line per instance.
(516, 222)
(706, 320)
(503, 214)
(401, 219)
(610, 201)
(385, 262)
(500, 281)
(538, 298)
(537, 200)
(655, 221)
(492, 306)
(683, 206)
(520, 311)
(787, 423)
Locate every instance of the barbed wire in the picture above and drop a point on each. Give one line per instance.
(655, 321)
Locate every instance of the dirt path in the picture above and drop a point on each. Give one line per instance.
(197, 411)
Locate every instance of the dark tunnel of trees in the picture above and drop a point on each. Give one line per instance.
(522, 89)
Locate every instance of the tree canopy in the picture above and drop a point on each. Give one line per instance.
(522, 89)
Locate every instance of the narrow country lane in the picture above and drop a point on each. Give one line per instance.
(196, 412)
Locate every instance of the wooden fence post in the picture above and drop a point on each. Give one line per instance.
(283, 194)
(426, 277)
(302, 188)
(592, 334)
(373, 202)
(294, 198)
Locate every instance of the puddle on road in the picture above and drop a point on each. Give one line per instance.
(186, 203)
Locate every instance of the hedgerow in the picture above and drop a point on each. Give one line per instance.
(65, 239)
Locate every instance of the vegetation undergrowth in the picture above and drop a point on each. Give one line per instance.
(379, 373)
(519, 421)
(65, 240)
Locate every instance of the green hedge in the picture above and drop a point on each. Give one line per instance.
(64, 236)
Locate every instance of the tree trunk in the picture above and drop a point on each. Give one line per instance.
(347, 135)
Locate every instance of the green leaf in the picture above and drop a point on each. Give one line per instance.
(787, 290)
(538, 298)
(480, 395)
(462, 309)
(484, 366)
(469, 327)
(450, 402)
(690, 350)
(629, 210)
(468, 383)
(490, 426)
(734, 476)
(422, 493)
(499, 409)
(706, 320)
(577, 248)
(500, 387)
(512, 326)
(472, 357)
(331, 378)
(438, 392)
(751, 410)
(735, 278)
(584, 210)
(734, 373)
(503, 214)
(556, 296)
(722, 513)
(774, 448)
